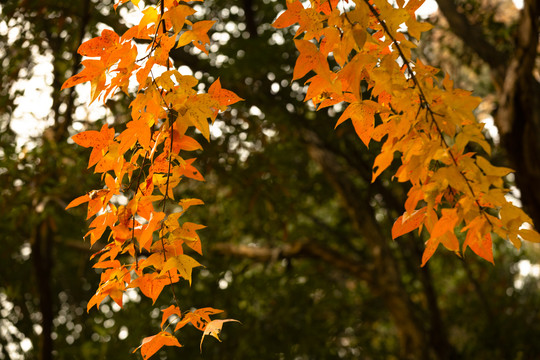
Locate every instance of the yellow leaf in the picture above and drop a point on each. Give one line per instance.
(529, 235)
(183, 264)
(213, 328)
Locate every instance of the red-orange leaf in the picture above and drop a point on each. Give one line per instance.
(222, 96)
(479, 238)
(78, 201)
(481, 245)
(92, 69)
(431, 247)
(151, 285)
(98, 45)
(171, 310)
(95, 139)
(186, 143)
(152, 344)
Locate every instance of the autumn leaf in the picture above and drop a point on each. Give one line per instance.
(98, 46)
(198, 35)
(184, 264)
(188, 170)
(171, 310)
(362, 115)
(186, 143)
(408, 222)
(213, 328)
(92, 69)
(478, 238)
(310, 58)
(222, 96)
(150, 345)
(151, 285)
(96, 140)
(290, 16)
(446, 223)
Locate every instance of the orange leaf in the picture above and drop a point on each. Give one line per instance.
(362, 115)
(479, 238)
(190, 171)
(222, 96)
(78, 201)
(447, 222)
(480, 245)
(310, 58)
(198, 35)
(98, 45)
(95, 139)
(408, 222)
(148, 229)
(151, 285)
(183, 264)
(186, 143)
(289, 17)
(92, 69)
(431, 247)
(171, 310)
(150, 345)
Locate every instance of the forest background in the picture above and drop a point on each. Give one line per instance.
(298, 245)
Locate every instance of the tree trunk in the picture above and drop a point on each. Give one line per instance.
(414, 338)
(42, 259)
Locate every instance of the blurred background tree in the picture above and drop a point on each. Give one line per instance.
(298, 243)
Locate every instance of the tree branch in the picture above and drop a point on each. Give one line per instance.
(305, 249)
(473, 37)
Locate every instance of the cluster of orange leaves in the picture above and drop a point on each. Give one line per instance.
(146, 161)
(364, 47)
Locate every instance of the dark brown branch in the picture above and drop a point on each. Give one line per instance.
(473, 37)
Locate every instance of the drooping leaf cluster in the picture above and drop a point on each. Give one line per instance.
(359, 47)
(146, 161)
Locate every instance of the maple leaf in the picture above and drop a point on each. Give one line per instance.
(151, 285)
(171, 310)
(408, 222)
(184, 264)
(98, 46)
(213, 328)
(198, 35)
(362, 115)
(222, 96)
(190, 171)
(290, 16)
(98, 140)
(184, 142)
(148, 229)
(92, 69)
(150, 345)
(310, 58)
(446, 223)
(478, 238)
(177, 15)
